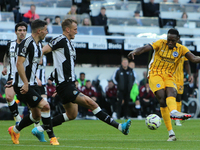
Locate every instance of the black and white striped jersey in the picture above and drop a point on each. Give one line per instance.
(41, 70)
(32, 52)
(12, 55)
(64, 56)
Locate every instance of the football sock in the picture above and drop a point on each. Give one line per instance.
(171, 103)
(59, 119)
(26, 121)
(105, 117)
(138, 110)
(47, 124)
(171, 132)
(166, 117)
(179, 104)
(13, 108)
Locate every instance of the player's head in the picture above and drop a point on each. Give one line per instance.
(172, 38)
(39, 27)
(69, 27)
(21, 30)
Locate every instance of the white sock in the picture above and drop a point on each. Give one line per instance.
(120, 127)
(15, 130)
(18, 118)
(11, 103)
(137, 106)
(40, 129)
(173, 111)
(65, 117)
(171, 132)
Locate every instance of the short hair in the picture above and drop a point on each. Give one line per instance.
(103, 7)
(21, 24)
(124, 58)
(82, 73)
(57, 17)
(33, 5)
(67, 23)
(37, 24)
(173, 31)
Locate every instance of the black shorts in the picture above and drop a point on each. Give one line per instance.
(43, 89)
(67, 91)
(32, 97)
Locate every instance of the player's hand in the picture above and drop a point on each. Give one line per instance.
(131, 55)
(4, 72)
(8, 84)
(39, 82)
(190, 78)
(24, 89)
(54, 94)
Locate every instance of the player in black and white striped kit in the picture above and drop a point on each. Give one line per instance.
(64, 55)
(10, 58)
(25, 84)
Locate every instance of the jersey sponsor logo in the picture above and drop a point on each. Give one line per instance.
(175, 54)
(12, 47)
(158, 85)
(13, 54)
(35, 98)
(75, 92)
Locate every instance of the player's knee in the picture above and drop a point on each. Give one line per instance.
(9, 98)
(72, 116)
(46, 108)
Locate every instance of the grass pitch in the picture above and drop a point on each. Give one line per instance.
(96, 135)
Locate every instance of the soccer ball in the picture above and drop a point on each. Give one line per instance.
(153, 121)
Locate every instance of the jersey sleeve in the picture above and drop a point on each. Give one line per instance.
(185, 50)
(7, 49)
(56, 43)
(156, 45)
(185, 59)
(22, 50)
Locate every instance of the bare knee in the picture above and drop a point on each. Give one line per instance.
(46, 108)
(9, 98)
(72, 116)
(161, 99)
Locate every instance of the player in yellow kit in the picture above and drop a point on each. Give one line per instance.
(179, 78)
(166, 57)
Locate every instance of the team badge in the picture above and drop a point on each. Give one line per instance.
(157, 85)
(35, 98)
(175, 54)
(24, 50)
(75, 92)
(54, 42)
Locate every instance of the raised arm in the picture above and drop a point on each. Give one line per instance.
(191, 57)
(139, 51)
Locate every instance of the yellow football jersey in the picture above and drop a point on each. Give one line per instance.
(179, 75)
(165, 60)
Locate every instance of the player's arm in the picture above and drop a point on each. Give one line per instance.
(188, 70)
(5, 64)
(139, 51)
(22, 74)
(191, 57)
(46, 49)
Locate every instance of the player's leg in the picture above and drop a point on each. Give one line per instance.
(87, 102)
(138, 109)
(179, 105)
(10, 93)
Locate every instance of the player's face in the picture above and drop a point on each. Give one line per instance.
(73, 31)
(21, 33)
(172, 39)
(43, 32)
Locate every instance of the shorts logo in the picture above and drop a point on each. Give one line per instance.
(35, 98)
(175, 54)
(75, 92)
(157, 85)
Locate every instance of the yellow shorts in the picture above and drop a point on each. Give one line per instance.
(180, 88)
(158, 82)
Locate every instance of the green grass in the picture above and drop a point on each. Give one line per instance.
(96, 135)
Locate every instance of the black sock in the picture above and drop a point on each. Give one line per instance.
(14, 109)
(107, 119)
(138, 110)
(26, 121)
(47, 125)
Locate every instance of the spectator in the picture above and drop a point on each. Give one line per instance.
(81, 80)
(137, 18)
(90, 91)
(49, 25)
(193, 1)
(14, 7)
(185, 17)
(124, 78)
(147, 100)
(164, 1)
(132, 66)
(51, 88)
(144, 80)
(101, 19)
(152, 9)
(72, 10)
(111, 98)
(57, 21)
(30, 15)
(86, 22)
(176, 1)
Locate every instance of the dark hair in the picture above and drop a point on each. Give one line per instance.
(173, 31)
(57, 17)
(82, 73)
(21, 24)
(37, 24)
(32, 5)
(103, 7)
(67, 23)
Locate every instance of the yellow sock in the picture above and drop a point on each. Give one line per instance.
(166, 117)
(179, 104)
(171, 103)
